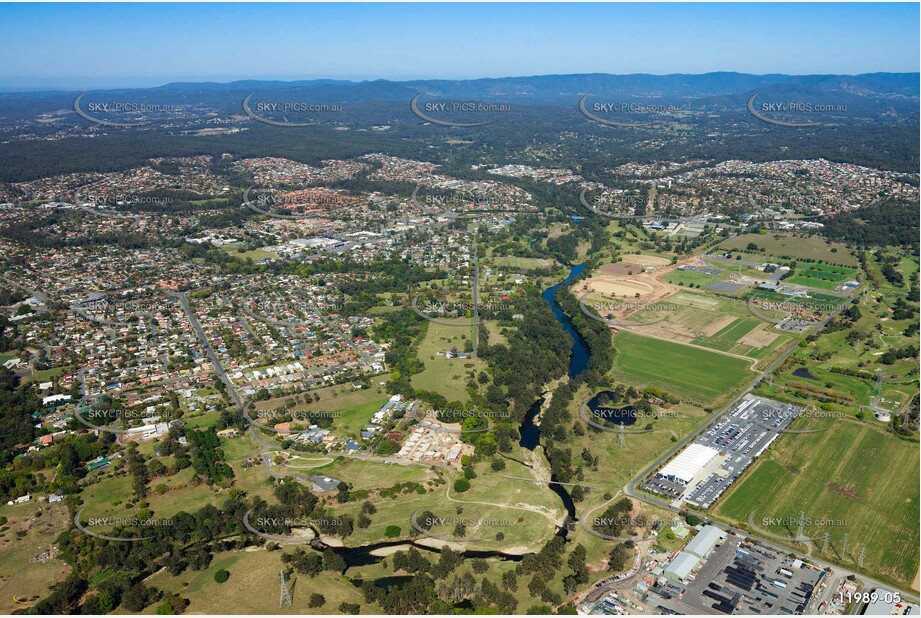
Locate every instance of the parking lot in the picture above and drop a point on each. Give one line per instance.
(740, 436)
(727, 286)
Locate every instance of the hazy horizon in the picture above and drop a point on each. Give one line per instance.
(77, 46)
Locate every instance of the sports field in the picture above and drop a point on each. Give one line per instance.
(852, 479)
(690, 373)
(822, 276)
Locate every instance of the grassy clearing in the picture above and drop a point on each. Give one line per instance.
(22, 538)
(687, 277)
(45, 375)
(255, 254)
(524, 513)
(780, 246)
(253, 587)
(443, 375)
(110, 494)
(522, 262)
(618, 464)
(375, 475)
(351, 409)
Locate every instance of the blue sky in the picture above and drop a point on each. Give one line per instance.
(96, 45)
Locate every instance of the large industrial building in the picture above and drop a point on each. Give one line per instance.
(683, 468)
(681, 566)
(705, 541)
(700, 547)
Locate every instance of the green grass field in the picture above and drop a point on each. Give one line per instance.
(46, 375)
(822, 276)
(856, 476)
(254, 254)
(527, 511)
(618, 464)
(690, 373)
(375, 475)
(523, 263)
(253, 587)
(109, 494)
(686, 277)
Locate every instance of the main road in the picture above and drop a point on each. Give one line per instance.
(209, 350)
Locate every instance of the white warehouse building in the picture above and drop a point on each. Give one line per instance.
(705, 541)
(688, 463)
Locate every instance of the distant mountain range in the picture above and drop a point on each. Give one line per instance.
(538, 89)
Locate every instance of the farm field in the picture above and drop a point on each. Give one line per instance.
(789, 246)
(690, 373)
(720, 324)
(826, 474)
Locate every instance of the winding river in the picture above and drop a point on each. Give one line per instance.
(578, 361)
